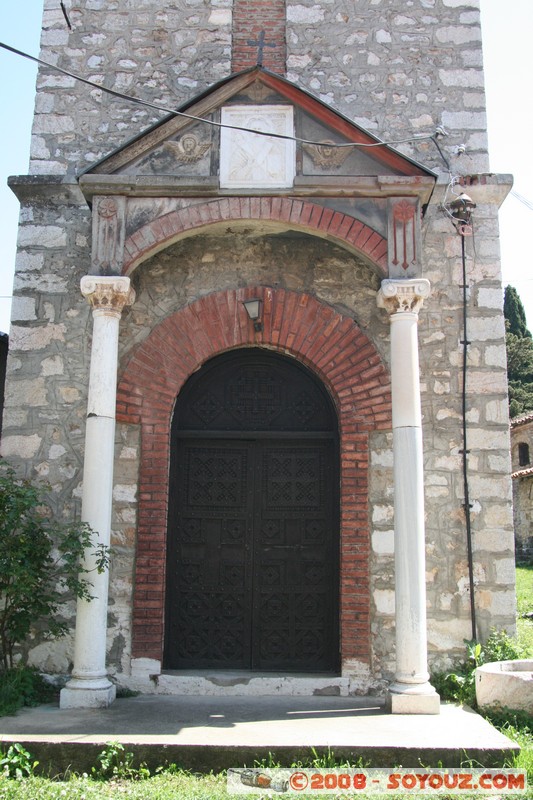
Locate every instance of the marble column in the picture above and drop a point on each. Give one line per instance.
(410, 692)
(90, 686)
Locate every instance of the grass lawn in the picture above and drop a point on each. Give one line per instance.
(162, 787)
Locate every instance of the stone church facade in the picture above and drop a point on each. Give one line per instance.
(284, 491)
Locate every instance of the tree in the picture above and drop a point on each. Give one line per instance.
(39, 563)
(519, 345)
(514, 313)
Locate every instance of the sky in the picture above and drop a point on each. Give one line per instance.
(507, 37)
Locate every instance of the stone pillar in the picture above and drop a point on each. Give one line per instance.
(411, 692)
(89, 686)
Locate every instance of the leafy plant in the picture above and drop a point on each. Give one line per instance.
(23, 686)
(39, 563)
(459, 684)
(502, 647)
(17, 763)
(519, 346)
(115, 762)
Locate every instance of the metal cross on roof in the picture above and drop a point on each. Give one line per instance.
(260, 44)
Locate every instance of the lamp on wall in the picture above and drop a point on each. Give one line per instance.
(253, 309)
(461, 210)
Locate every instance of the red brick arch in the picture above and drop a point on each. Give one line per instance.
(298, 214)
(335, 349)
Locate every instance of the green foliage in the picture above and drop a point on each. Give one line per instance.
(514, 313)
(17, 763)
(518, 726)
(123, 691)
(502, 647)
(459, 684)
(115, 762)
(39, 563)
(520, 374)
(179, 786)
(519, 344)
(507, 718)
(23, 686)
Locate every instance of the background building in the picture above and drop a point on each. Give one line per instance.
(522, 464)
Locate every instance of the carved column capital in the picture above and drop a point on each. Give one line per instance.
(107, 295)
(403, 296)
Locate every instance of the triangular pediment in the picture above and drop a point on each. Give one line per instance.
(204, 142)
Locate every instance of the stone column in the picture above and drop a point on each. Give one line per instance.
(411, 692)
(89, 686)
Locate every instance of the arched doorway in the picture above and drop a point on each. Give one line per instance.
(253, 527)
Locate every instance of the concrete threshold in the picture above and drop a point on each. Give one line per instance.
(217, 732)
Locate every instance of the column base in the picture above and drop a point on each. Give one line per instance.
(87, 694)
(413, 700)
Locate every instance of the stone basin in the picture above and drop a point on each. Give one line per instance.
(507, 684)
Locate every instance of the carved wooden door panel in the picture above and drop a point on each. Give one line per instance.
(252, 571)
(295, 565)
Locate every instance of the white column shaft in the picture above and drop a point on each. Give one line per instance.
(405, 370)
(410, 692)
(90, 686)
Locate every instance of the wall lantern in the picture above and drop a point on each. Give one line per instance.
(253, 309)
(461, 210)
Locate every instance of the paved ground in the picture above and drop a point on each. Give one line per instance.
(217, 732)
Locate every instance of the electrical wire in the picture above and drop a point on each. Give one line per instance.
(522, 199)
(172, 111)
(437, 145)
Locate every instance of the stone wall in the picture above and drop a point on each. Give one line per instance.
(398, 70)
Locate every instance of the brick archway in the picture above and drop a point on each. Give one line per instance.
(336, 350)
(298, 214)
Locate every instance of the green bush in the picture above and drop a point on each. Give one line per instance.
(117, 763)
(23, 686)
(459, 684)
(39, 563)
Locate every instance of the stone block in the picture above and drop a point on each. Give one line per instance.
(497, 411)
(87, 698)
(384, 600)
(42, 236)
(481, 329)
(303, 15)
(125, 493)
(472, 78)
(53, 365)
(413, 703)
(455, 34)
(383, 542)
(22, 309)
(496, 356)
(30, 392)
(35, 338)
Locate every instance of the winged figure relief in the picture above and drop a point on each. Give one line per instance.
(187, 149)
(326, 155)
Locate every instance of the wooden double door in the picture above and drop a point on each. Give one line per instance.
(253, 538)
